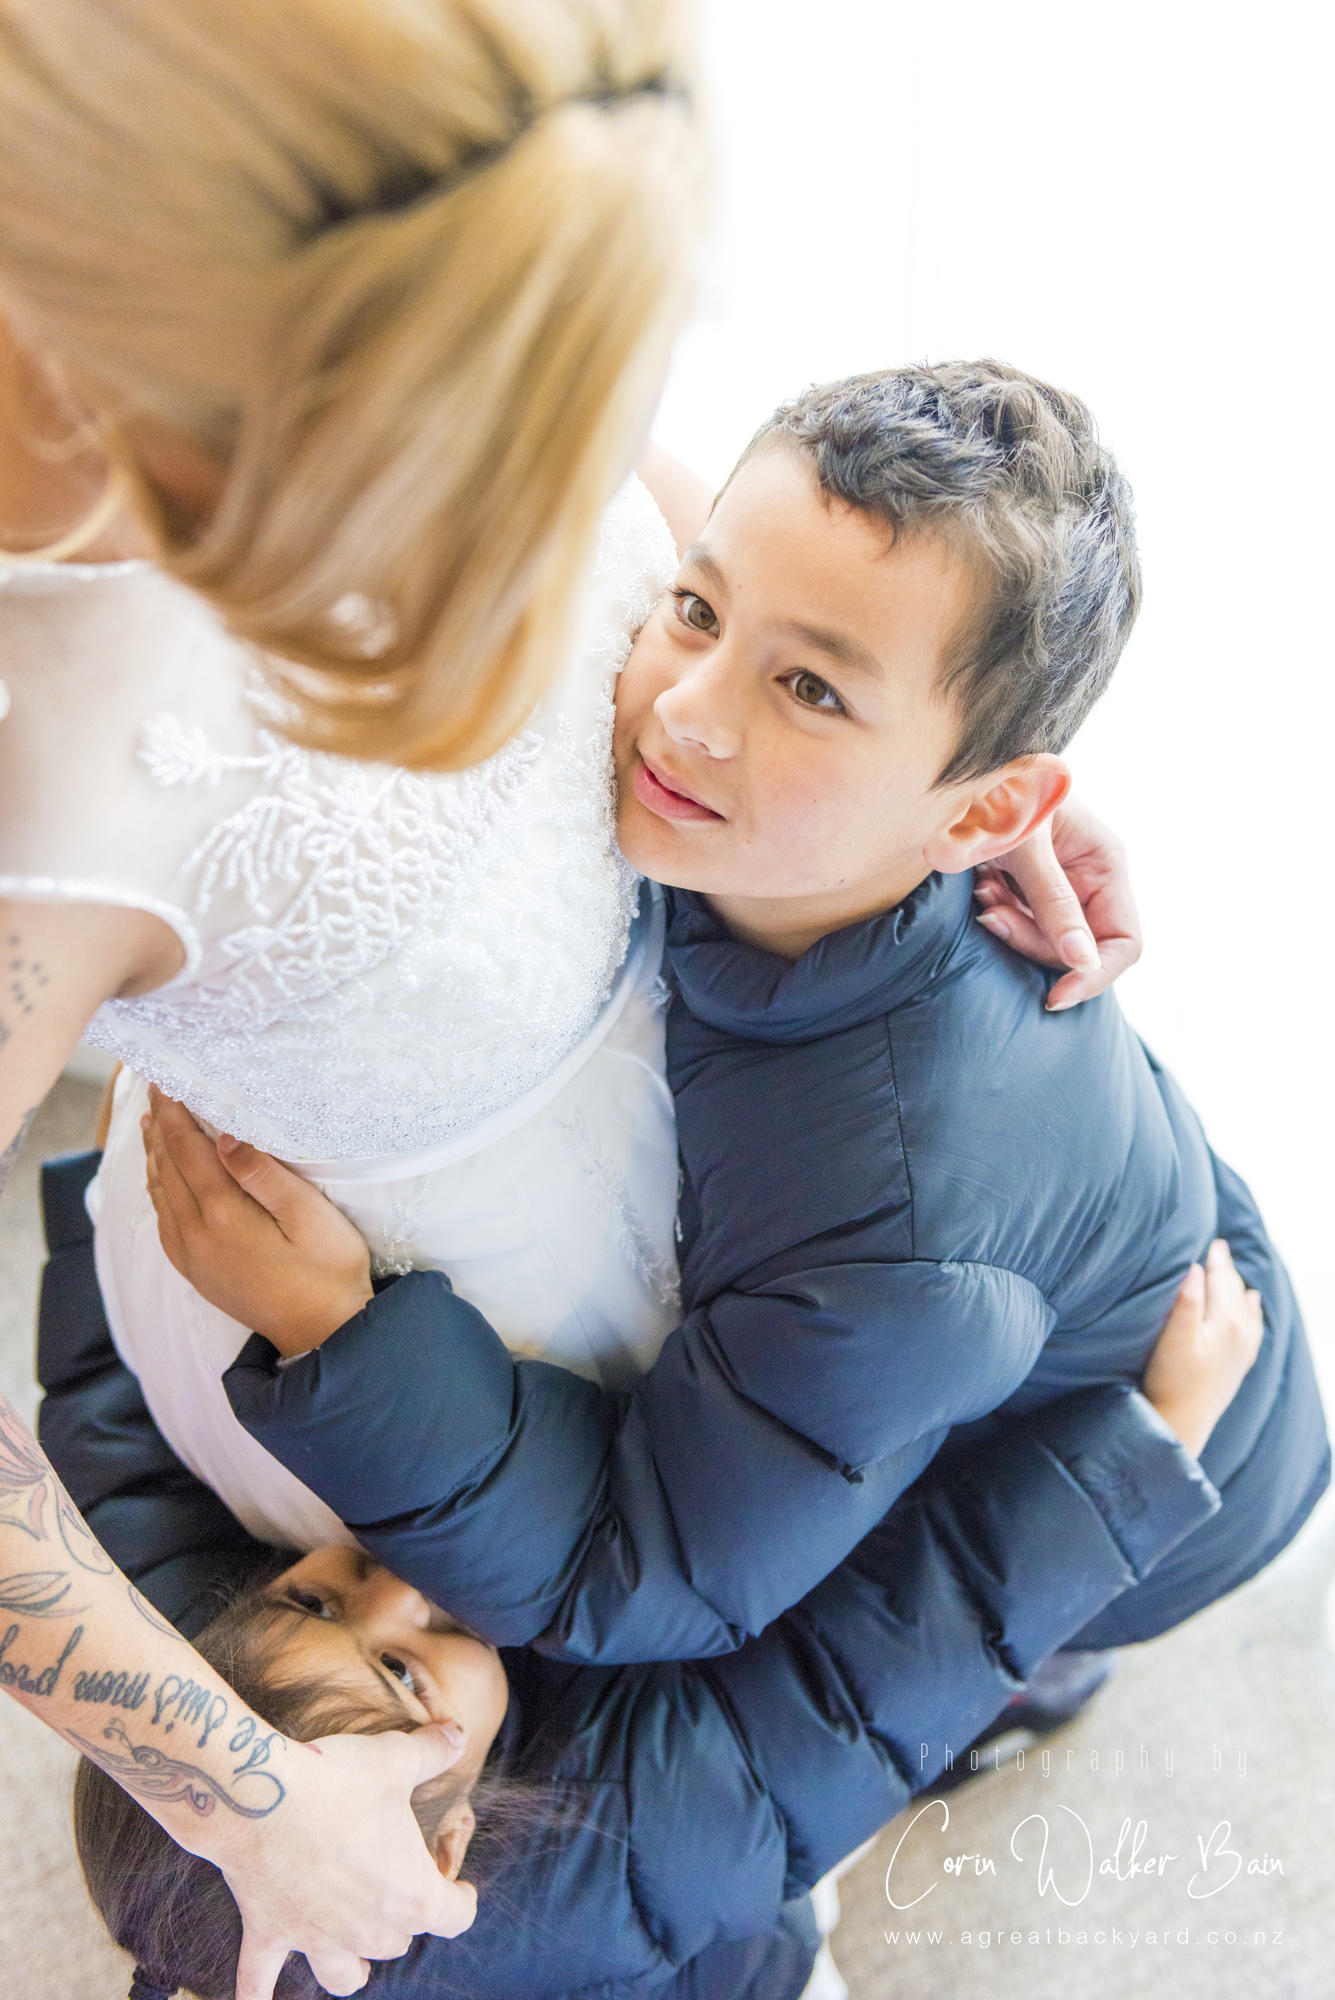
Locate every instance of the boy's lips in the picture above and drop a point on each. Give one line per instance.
(663, 799)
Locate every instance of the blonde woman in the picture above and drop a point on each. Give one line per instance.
(351, 316)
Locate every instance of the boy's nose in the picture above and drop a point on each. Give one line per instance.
(694, 714)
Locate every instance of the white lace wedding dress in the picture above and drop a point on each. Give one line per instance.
(435, 996)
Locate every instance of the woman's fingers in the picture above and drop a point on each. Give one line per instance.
(1030, 899)
(1043, 885)
(340, 1972)
(260, 1963)
(257, 1968)
(1004, 918)
(1116, 954)
(1002, 915)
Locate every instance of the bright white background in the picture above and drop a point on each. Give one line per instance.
(1133, 201)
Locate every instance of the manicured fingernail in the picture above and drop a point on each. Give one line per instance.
(226, 1143)
(1058, 1006)
(454, 1732)
(992, 920)
(1079, 948)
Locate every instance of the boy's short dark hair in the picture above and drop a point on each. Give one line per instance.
(1012, 471)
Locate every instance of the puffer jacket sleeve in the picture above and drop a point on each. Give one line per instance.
(852, 1702)
(710, 1792)
(172, 1537)
(674, 1522)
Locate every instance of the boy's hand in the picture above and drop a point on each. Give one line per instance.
(1209, 1341)
(254, 1239)
(1064, 898)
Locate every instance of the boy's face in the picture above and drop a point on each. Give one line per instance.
(779, 723)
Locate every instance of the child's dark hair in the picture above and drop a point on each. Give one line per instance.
(1012, 471)
(173, 1910)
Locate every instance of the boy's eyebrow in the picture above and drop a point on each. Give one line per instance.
(839, 646)
(699, 558)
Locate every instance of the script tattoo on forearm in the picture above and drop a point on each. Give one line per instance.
(18, 1674)
(33, 1502)
(161, 1780)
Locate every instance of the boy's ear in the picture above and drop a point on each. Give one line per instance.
(452, 1838)
(1004, 809)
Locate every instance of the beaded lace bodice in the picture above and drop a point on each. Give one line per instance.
(377, 959)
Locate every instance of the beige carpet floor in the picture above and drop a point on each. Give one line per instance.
(1222, 1733)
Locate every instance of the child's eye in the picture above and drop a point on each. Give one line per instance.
(694, 611)
(401, 1672)
(812, 692)
(309, 1600)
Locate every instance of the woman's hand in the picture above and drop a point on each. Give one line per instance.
(1209, 1342)
(318, 1843)
(1064, 898)
(257, 1241)
(344, 1860)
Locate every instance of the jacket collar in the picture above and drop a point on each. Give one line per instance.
(848, 977)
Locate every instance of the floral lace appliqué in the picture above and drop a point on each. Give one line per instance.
(357, 854)
(388, 956)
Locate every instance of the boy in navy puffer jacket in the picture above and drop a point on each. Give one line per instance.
(912, 1196)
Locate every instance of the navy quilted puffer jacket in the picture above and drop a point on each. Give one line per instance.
(913, 1202)
(691, 1803)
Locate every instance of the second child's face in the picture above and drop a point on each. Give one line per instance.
(355, 1628)
(780, 727)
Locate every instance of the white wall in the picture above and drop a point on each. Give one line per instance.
(1133, 201)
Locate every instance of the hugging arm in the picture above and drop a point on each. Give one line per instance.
(667, 1523)
(921, 1636)
(670, 1523)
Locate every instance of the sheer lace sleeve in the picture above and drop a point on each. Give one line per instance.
(88, 655)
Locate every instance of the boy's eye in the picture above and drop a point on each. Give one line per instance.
(812, 692)
(695, 612)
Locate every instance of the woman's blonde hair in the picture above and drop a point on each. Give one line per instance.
(409, 269)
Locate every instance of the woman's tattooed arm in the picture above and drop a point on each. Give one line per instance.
(76, 1638)
(149, 1774)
